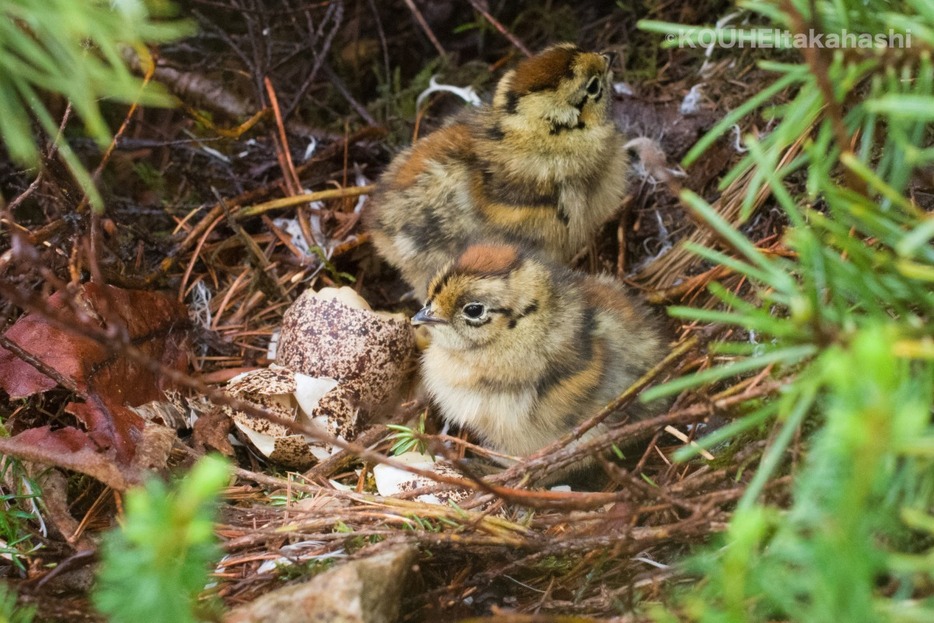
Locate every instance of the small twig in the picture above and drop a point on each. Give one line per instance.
(93, 247)
(300, 199)
(73, 562)
(40, 365)
(498, 26)
(91, 512)
(346, 94)
(105, 158)
(383, 45)
(631, 482)
(7, 208)
(194, 256)
(425, 27)
(634, 431)
(14, 203)
(285, 156)
(266, 272)
(335, 14)
(820, 69)
(349, 245)
(671, 430)
(689, 285)
(217, 211)
(621, 229)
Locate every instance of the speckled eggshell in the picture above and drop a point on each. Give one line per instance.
(392, 481)
(271, 389)
(368, 353)
(445, 497)
(268, 388)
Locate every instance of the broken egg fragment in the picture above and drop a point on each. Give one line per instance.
(391, 481)
(291, 396)
(338, 363)
(334, 333)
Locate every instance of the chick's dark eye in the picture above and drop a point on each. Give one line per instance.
(473, 310)
(593, 87)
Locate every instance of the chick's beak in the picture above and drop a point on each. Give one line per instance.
(425, 316)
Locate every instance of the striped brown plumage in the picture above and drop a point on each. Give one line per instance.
(543, 165)
(523, 349)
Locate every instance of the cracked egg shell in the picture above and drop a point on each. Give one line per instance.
(291, 396)
(391, 481)
(334, 333)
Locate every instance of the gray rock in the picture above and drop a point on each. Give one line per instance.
(368, 590)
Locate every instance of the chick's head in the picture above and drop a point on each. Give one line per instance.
(491, 295)
(561, 88)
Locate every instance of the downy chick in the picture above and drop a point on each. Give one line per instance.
(523, 349)
(543, 165)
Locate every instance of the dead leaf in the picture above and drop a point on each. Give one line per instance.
(153, 451)
(109, 382)
(69, 448)
(211, 431)
(111, 427)
(54, 487)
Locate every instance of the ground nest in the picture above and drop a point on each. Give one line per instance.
(205, 203)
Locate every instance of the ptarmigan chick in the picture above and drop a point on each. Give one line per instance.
(523, 349)
(543, 165)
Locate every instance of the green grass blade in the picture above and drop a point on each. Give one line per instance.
(788, 356)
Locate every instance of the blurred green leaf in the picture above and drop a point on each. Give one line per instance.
(847, 310)
(74, 50)
(154, 568)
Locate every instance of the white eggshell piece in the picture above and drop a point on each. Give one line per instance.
(265, 444)
(272, 349)
(345, 295)
(322, 452)
(310, 389)
(392, 481)
(389, 479)
(340, 486)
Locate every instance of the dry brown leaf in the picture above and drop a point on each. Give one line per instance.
(69, 448)
(211, 430)
(109, 381)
